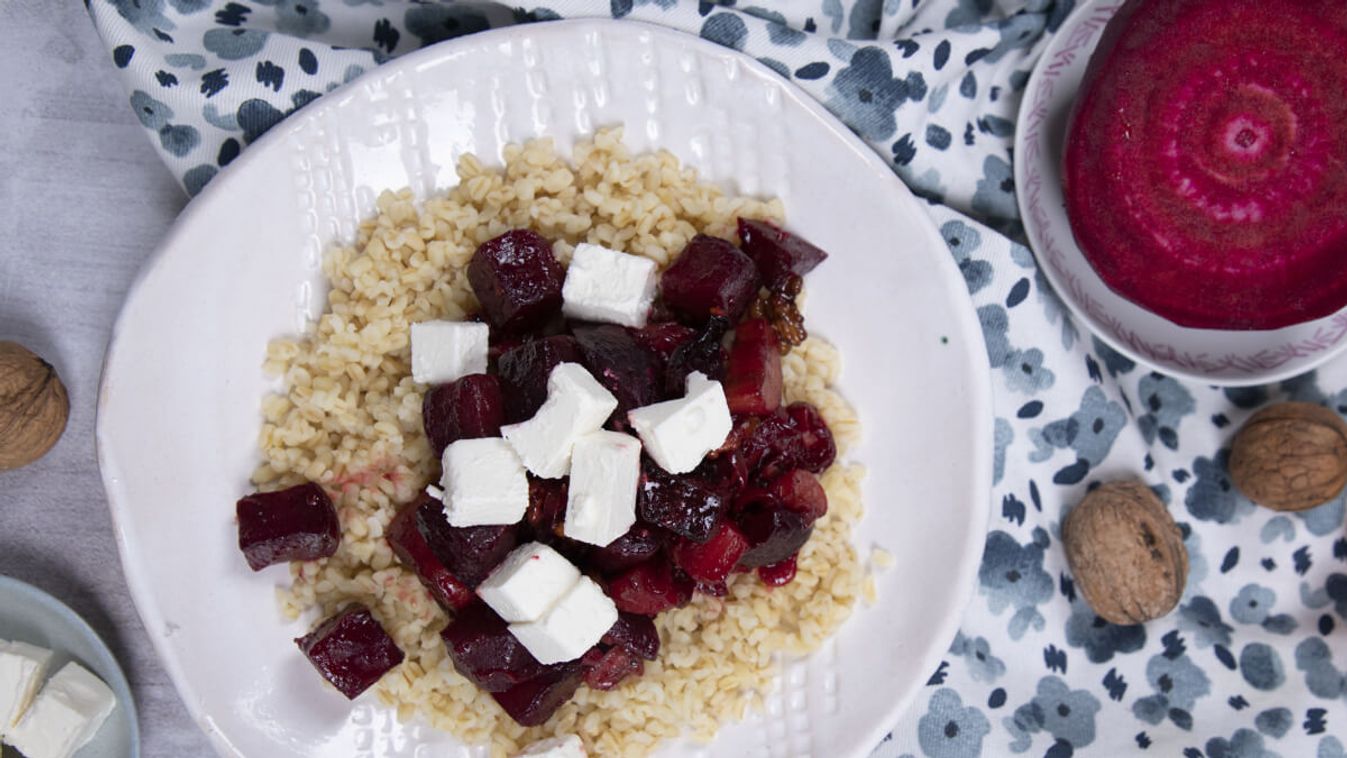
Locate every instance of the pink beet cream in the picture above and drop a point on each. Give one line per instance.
(1205, 170)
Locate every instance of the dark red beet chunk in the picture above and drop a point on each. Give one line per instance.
(776, 252)
(778, 574)
(702, 353)
(532, 702)
(405, 538)
(753, 371)
(517, 280)
(649, 588)
(524, 371)
(471, 552)
(663, 339)
(639, 544)
(469, 408)
(485, 652)
(635, 633)
(713, 560)
(711, 277)
(547, 507)
(351, 650)
(774, 534)
(801, 492)
(685, 504)
(794, 437)
(622, 365)
(295, 524)
(604, 670)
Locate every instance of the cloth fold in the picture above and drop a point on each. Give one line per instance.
(1251, 664)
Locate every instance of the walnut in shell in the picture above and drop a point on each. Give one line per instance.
(1126, 553)
(1290, 456)
(33, 406)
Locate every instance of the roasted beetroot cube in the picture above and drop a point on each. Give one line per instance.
(605, 669)
(711, 277)
(466, 409)
(295, 524)
(801, 492)
(639, 544)
(753, 371)
(405, 538)
(793, 437)
(524, 371)
(685, 504)
(774, 534)
(469, 552)
(649, 588)
(635, 633)
(776, 252)
(485, 652)
(351, 650)
(713, 560)
(701, 353)
(622, 365)
(534, 701)
(663, 339)
(517, 280)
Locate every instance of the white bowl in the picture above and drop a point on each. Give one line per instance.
(179, 407)
(1216, 356)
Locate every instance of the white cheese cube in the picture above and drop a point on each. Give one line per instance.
(484, 483)
(579, 619)
(576, 405)
(606, 285)
(605, 471)
(569, 746)
(443, 351)
(679, 433)
(530, 580)
(65, 716)
(22, 669)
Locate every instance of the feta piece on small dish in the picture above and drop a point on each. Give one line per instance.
(22, 669)
(576, 405)
(605, 471)
(65, 716)
(528, 583)
(578, 620)
(607, 285)
(678, 434)
(569, 746)
(443, 351)
(484, 483)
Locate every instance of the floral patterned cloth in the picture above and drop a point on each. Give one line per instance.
(1251, 664)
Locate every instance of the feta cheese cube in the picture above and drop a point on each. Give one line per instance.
(576, 405)
(605, 471)
(443, 351)
(606, 285)
(22, 668)
(484, 483)
(678, 434)
(569, 746)
(530, 580)
(65, 716)
(579, 619)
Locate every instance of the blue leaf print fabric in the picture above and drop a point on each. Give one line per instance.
(1252, 663)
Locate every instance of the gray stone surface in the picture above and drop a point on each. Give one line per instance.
(83, 201)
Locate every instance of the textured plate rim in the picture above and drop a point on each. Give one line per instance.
(980, 387)
(119, 684)
(1290, 368)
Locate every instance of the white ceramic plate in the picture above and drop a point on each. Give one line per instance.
(179, 405)
(1215, 356)
(30, 615)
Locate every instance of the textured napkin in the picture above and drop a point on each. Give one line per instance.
(1251, 664)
